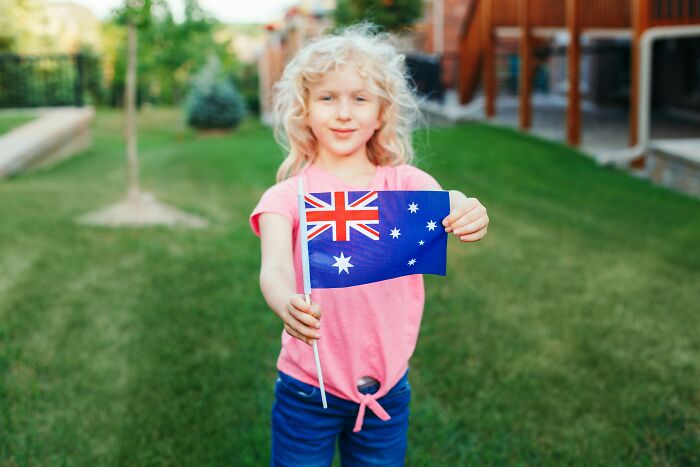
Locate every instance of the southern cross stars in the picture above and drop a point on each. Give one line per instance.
(431, 225)
(421, 243)
(395, 233)
(413, 207)
(412, 261)
(343, 263)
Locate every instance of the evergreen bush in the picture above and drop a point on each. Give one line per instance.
(392, 15)
(214, 102)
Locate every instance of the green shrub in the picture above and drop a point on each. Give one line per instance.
(247, 81)
(214, 102)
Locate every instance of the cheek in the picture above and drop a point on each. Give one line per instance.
(313, 114)
(374, 119)
(314, 121)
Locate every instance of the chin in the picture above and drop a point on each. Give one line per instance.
(345, 152)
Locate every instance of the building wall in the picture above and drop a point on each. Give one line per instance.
(285, 38)
(454, 14)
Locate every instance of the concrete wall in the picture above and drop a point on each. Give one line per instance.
(55, 135)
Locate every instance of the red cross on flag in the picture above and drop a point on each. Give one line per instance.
(340, 215)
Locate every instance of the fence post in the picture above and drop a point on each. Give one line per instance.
(79, 79)
(525, 68)
(573, 58)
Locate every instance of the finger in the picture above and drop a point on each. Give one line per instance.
(459, 211)
(315, 310)
(298, 322)
(472, 227)
(290, 319)
(466, 219)
(455, 214)
(305, 318)
(475, 236)
(299, 302)
(301, 330)
(292, 332)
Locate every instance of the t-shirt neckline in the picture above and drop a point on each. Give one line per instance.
(372, 183)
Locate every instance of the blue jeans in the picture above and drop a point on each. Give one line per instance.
(304, 433)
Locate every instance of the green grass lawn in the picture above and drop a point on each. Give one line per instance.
(10, 123)
(569, 336)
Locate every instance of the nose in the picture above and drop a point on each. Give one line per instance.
(343, 110)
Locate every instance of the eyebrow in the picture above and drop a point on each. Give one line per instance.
(356, 91)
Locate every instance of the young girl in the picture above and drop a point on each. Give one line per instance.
(344, 111)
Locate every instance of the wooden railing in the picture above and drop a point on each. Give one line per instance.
(599, 13)
(673, 12)
(575, 16)
(552, 13)
(606, 14)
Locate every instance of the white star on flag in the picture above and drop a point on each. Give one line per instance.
(431, 225)
(395, 233)
(342, 263)
(412, 261)
(421, 243)
(413, 207)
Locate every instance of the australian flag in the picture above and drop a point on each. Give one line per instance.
(358, 237)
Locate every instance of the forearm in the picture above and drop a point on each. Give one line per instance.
(277, 286)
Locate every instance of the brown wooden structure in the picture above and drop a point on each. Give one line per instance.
(530, 17)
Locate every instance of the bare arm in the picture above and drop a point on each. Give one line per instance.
(277, 280)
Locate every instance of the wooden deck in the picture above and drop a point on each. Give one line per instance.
(526, 19)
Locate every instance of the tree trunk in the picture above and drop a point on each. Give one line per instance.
(131, 143)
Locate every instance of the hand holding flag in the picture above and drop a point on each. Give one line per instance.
(302, 319)
(468, 220)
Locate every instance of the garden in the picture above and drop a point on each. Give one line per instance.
(568, 336)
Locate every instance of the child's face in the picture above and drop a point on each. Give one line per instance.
(341, 101)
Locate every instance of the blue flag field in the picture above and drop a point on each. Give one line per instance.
(359, 237)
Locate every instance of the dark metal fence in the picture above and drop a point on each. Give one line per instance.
(426, 72)
(47, 81)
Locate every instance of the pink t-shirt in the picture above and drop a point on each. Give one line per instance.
(367, 330)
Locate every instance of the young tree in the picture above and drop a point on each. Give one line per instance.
(139, 208)
(135, 14)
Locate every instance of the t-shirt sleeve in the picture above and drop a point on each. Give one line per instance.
(413, 178)
(279, 199)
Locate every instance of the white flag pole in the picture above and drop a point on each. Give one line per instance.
(307, 279)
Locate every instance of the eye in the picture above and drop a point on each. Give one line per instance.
(360, 98)
(323, 98)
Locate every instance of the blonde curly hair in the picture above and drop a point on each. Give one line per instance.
(377, 60)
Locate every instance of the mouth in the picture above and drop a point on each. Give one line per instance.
(341, 131)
